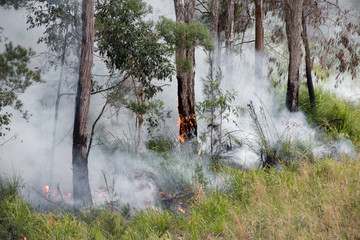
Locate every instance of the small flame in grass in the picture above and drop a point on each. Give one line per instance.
(46, 191)
(102, 192)
(181, 210)
(55, 192)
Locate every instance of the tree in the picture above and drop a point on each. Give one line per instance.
(259, 37)
(293, 19)
(185, 13)
(16, 4)
(132, 47)
(81, 186)
(215, 108)
(309, 81)
(214, 28)
(230, 38)
(15, 78)
(182, 37)
(62, 37)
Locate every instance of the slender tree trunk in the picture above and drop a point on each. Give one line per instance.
(140, 135)
(230, 39)
(185, 12)
(309, 81)
(57, 104)
(81, 186)
(259, 38)
(293, 16)
(214, 12)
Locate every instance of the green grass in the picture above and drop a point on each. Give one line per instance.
(329, 110)
(318, 200)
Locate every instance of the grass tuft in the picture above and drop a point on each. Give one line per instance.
(338, 117)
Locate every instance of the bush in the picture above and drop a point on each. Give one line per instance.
(338, 117)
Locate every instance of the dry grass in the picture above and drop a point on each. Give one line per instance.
(315, 201)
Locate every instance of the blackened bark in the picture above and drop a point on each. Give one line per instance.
(309, 81)
(259, 38)
(185, 12)
(81, 186)
(293, 16)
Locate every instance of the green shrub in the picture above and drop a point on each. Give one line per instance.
(338, 117)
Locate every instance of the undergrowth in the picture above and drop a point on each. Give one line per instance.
(318, 200)
(338, 117)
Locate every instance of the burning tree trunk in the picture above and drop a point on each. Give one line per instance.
(230, 38)
(259, 38)
(185, 74)
(81, 186)
(293, 16)
(309, 81)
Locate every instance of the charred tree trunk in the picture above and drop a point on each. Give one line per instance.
(185, 12)
(309, 81)
(214, 12)
(293, 16)
(81, 186)
(230, 39)
(259, 38)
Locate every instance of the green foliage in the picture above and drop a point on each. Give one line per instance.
(154, 109)
(15, 77)
(338, 117)
(61, 20)
(216, 107)
(159, 144)
(10, 187)
(16, 4)
(131, 43)
(184, 35)
(320, 72)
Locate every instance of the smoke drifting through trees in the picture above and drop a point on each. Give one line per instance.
(128, 179)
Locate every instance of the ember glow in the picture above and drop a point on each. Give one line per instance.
(54, 194)
(181, 210)
(102, 192)
(46, 191)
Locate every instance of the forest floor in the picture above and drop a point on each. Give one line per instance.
(318, 200)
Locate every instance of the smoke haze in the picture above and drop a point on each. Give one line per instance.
(136, 182)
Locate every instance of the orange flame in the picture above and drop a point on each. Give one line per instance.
(55, 192)
(102, 193)
(181, 210)
(46, 191)
(182, 138)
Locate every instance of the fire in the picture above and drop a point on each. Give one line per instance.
(102, 193)
(182, 138)
(181, 210)
(46, 191)
(54, 194)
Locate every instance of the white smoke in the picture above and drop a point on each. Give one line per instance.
(136, 182)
